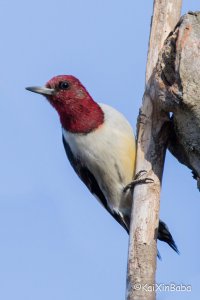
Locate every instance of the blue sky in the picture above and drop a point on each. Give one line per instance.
(56, 241)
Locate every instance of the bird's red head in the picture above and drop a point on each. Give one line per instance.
(78, 112)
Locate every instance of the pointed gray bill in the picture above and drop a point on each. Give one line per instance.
(41, 90)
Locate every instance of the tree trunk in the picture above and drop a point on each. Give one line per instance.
(151, 147)
(178, 89)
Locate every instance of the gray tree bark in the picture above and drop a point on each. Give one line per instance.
(153, 133)
(177, 85)
(173, 87)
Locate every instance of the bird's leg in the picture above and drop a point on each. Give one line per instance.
(138, 180)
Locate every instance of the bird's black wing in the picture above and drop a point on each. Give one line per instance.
(89, 180)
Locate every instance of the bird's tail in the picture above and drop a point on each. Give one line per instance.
(163, 233)
(165, 236)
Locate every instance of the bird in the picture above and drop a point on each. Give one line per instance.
(100, 145)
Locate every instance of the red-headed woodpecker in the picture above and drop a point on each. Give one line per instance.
(100, 145)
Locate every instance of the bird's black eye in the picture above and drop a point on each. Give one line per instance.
(63, 85)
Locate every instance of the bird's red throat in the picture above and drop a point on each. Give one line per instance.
(78, 115)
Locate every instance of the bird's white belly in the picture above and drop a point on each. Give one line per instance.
(108, 152)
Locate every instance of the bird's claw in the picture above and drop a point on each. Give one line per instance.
(138, 180)
(139, 174)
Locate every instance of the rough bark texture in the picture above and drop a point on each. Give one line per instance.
(165, 16)
(153, 130)
(177, 86)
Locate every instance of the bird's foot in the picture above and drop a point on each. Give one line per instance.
(138, 180)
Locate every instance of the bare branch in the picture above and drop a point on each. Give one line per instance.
(151, 148)
(166, 14)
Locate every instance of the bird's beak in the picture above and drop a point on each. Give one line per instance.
(41, 90)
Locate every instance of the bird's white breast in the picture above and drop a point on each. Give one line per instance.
(108, 152)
